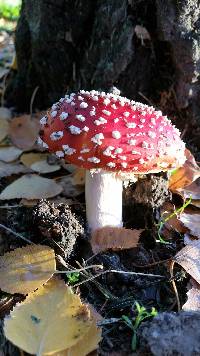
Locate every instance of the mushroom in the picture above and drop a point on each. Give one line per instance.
(114, 138)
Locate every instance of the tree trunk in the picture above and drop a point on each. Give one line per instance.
(150, 50)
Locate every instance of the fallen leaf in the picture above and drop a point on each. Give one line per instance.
(90, 340)
(49, 320)
(5, 113)
(9, 153)
(27, 268)
(38, 162)
(193, 301)
(186, 174)
(31, 186)
(69, 188)
(4, 128)
(114, 238)
(24, 131)
(189, 259)
(79, 176)
(7, 169)
(192, 222)
(192, 192)
(170, 218)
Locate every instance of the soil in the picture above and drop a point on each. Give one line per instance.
(64, 228)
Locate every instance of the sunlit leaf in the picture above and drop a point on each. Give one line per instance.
(24, 131)
(9, 153)
(31, 186)
(38, 162)
(27, 268)
(114, 238)
(189, 259)
(186, 174)
(89, 342)
(7, 169)
(49, 320)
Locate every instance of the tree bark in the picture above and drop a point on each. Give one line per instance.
(66, 45)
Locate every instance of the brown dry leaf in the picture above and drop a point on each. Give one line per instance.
(4, 128)
(193, 301)
(114, 238)
(189, 259)
(90, 340)
(7, 169)
(172, 223)
(31, 187)
(49, 320)
(192, 191)
(27, 268)
(79, 176)
(38, 162)
(9, 153)
(69, 188)
(5, 113)
(186, 174)
(24, 131)
(192, 222)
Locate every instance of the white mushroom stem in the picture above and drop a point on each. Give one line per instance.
(103, 192)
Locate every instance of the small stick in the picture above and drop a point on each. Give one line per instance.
(16, 234)
(174, 285)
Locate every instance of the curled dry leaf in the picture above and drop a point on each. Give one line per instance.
(193, 301)
(114, 238)
(192, 191)
(189, 259)
(27, 268)
(31, 187)
(69, 188)
(7, 169)
(170, 218)
(4, 128)
(38, 162)
(90, 340)
(49, 320)
(192, 222)
(9, 153)
(24, 131)
(184, 175)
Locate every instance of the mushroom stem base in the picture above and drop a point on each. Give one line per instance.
(103, 192)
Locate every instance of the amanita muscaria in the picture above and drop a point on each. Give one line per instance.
(113, 138)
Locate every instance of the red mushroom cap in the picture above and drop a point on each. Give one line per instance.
(99, 130)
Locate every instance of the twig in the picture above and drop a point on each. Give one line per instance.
(79, 269)
(109, 321)
(15, 234)
(151, 264)
(174, 285)
(32, 100)
(121, 272)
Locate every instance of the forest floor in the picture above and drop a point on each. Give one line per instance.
(148, 293)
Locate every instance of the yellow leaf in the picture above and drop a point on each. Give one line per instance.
(4, 127)
(38, 162)
(49, 320)
(31, 186)
(89, 342)
(9, 153)
(27, 268)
